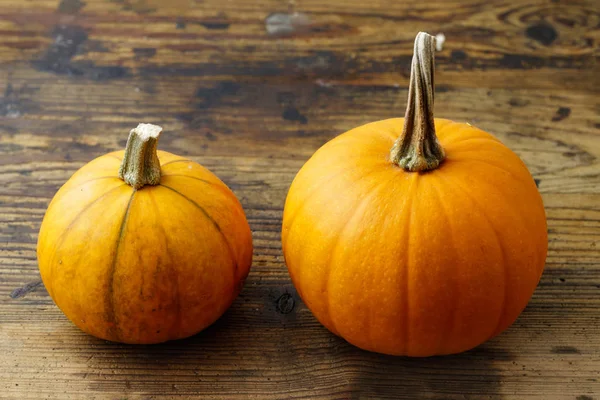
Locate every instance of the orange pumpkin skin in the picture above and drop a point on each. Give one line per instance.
(149, 265)
(415, 264)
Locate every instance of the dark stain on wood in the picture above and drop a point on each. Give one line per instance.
(70, 6)
(537, 182)
(138, 6)
(286, 98)
(561, 113)
(179, 23)
(517, 102)
(458, 56)
(148, 87)
(218, 22)
(584, 397)
(291, 113)
(89, 70)
(22, 291)
(542, 32)
(210, 136)
(68, 41)
(144, 52)
(521, 61)
(564, 350)
(16, 102)
(215, 25)
(212, 96)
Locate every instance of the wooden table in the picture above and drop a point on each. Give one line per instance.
(251, 90)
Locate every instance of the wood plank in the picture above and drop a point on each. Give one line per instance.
(502, 45)
(250, 90)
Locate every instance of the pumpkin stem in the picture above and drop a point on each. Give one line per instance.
(417, 148)
(140, 165)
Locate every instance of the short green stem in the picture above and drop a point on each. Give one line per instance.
(417, 148)
(140, 165)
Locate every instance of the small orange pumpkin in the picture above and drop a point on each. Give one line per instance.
(430, 249)
(144, 246)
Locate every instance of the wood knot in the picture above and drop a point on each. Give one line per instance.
(285, 303)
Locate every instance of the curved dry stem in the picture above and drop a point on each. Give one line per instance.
(140, 165)
(417, 148)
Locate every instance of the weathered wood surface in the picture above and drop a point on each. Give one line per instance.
(250, 91)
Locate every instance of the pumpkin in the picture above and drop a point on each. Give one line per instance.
(415, 236)
(143, 246)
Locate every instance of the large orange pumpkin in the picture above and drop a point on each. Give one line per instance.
(144, 246)
(407, 243)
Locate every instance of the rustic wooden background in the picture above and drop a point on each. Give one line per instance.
(251, 89)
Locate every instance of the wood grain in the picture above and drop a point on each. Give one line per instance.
(250, 90)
